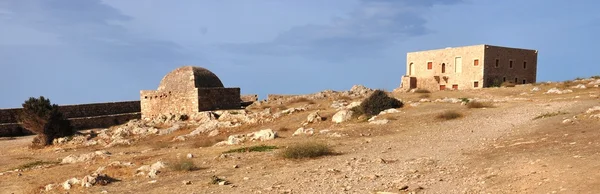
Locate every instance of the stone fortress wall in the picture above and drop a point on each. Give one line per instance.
(82, 116)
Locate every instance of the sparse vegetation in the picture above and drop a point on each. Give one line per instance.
(378, 101)
(508, 84)
(549, 114)
(284, 129)
(302, 100)
(35, 164)
(465, 100)
(424, 96)
(475, 104)
(306, 150)
(184, 165)
(216, 180)
(206, 142)
(259, 148)
(595, 77)
(43, 118)
(422, 91)
(449, 115)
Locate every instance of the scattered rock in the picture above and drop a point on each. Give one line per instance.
(186, 182)
(69, 183)
(303, 131)
(152, 170)
(71, 159)
(379, 122)
(263, 135)
(342, 116)
(593, 110)
(189, 155)
(567, 121)
(535, 89)
(314, 117)
(389, 111)
(558, 91)
(579, 86)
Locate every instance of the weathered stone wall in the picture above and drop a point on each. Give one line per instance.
(524, 65)
(83, 116)
(445, 66)
(465, 67)
(275, 97)
(104, 121)
(249, 98)
(12, 130)
(218, 98)
(156, 102)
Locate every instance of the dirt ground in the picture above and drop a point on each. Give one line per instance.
(502, 149)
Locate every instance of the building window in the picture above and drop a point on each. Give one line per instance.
(524, 64)
(524, 81)
(510, 64)
(442, 87)
(504, 79)
(429, 65)
(455, 86)
(497, 63)
(476, 62)
(476, 84)
(516, 80)
(443, 67)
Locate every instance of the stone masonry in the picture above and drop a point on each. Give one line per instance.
(469, 67)
(188, 90)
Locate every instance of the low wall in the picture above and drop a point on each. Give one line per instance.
(12, 130)
(80, 110)
(218, 98)
(249, 98)
(9, 115)
(274, 97)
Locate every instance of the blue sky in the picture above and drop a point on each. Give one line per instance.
(85, 51)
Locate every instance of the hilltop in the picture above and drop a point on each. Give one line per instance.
(530, 138)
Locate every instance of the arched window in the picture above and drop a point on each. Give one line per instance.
(443, 67)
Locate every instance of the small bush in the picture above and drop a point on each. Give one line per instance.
(422, 91)
(44, 119)
(306, 150)
(206, 142)
(184, 165)
(508, 84)
(260, 148)
(474, 104)
(424, 96)
(378, 101)
(449, 115)
(595, 77)
(465, 100)
(284, 129)
(550, 114)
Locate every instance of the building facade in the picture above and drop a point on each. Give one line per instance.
(188, 90)
(469, 67)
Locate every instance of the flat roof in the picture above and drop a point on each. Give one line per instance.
(472, 46)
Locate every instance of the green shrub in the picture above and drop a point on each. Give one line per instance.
(44, 119)
(35, 164)
(595, 77)
(306, 150)
(259, 148)
(378, 101)
(475, 104)
(449, 115)
(184, 165)
(465, 100)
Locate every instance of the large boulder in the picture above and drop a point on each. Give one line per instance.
(342, 116)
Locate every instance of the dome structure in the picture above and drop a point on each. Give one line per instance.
(189, 77)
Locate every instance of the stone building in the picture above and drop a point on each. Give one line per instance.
(188, 90)
(469, 67)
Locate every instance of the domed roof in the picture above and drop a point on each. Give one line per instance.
(189, 77)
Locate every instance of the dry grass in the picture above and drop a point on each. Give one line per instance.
(36, 164)
(284, 129)
(184, 165)
(424, 96)
(550, 114)
(422, 91)
(306, 150)
(346, 98)
(258, 148)
(474, 104)
(302, 100)
(449, 115)
(508, 84)
(206, 142)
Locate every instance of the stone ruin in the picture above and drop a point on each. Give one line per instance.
(186, 91)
